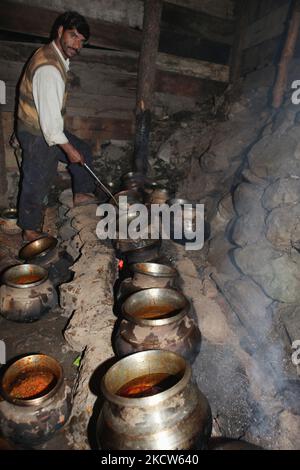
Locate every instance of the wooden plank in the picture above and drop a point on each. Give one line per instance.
(98, 130)
(257, 9)
(38, 22)
(128, 62)
(218, 8)
(178, 19)
(261, 55)
(193, 68)
(268, 27)
(193, 47)
(124, 126)
(174, 84)
(113, 106)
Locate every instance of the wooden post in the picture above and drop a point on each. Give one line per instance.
(287, 55)
(146, 82)
(238, 42)
(3, 179)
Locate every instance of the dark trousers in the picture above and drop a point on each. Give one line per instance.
(39, 167)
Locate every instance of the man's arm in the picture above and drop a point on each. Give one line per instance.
(48, 92)
(73, 155)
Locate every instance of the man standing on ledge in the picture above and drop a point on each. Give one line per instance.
(40, 126)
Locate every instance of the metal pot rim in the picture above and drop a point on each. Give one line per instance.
(180, 201)
(127, 192)
(147, 244)
(23, 253)
(9, 210)
(162, 190)
(136, 268)
(6, 281)
(153, 399)
(33, 401)
(157, 321)
(132, 174)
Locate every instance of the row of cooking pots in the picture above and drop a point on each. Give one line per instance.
(154, 314)
(35, 400)
(152, 400)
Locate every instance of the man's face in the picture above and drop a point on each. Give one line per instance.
(69, 41)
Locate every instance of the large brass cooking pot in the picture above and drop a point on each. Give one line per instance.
(157, 318)
(26, 293)
(179, 417)
(36, 399)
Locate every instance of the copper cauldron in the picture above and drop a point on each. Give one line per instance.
(152, 402)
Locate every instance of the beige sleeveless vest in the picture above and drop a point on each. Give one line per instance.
(28, 118)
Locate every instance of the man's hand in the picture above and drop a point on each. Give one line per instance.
(73, 155)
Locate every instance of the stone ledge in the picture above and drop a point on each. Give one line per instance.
(88, 301)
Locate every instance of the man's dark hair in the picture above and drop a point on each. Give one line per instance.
(71, 20)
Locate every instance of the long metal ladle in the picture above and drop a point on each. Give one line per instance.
(101, 184)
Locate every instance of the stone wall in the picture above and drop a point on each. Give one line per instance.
(254, 257)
